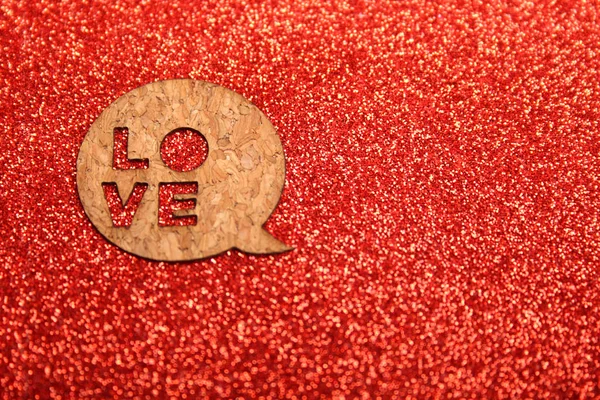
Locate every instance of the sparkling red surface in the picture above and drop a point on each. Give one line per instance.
(183, 149)
(172, 202)
(442, 195)
(121, 159)
(123, 206)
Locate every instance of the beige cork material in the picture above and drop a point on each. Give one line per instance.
(239, 183)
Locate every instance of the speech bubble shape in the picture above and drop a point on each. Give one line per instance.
(237, 187)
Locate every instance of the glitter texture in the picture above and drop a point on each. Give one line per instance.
(442, 195)
(183, 149)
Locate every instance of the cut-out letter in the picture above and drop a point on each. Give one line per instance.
(168, 204)
(121, 212)
(120, 155)
(184, 149)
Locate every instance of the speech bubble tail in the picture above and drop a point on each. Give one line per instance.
(262, 242)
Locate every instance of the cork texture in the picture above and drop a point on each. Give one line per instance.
(239, 183)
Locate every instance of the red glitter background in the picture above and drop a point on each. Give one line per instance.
(442, 196)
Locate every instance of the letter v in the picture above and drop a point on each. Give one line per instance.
(122, 214)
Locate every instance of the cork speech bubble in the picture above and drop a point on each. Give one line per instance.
(224, 202)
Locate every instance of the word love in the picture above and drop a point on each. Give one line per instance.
(161, 209)
(122, 211)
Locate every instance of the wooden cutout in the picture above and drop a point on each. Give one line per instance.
(239, 183)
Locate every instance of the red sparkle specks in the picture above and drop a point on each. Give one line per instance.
(442, 196)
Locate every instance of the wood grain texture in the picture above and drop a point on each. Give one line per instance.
(239, 184)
